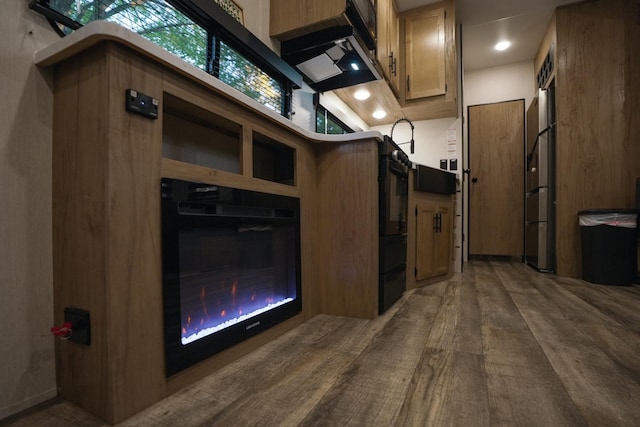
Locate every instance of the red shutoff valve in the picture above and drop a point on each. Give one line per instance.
(63, 332)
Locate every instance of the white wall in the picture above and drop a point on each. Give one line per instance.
(434, 139)
(27, 368)
(506, 83)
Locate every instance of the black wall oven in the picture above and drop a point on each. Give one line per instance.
(393, 184)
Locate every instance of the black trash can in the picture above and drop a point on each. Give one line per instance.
(609, 246)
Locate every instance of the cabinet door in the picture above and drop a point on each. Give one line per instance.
(290, 18)
(443, 240)
(388, 43)
(394, 48)
(425, 54)
(382, 46)
(425, 241)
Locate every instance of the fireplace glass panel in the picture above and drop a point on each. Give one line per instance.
(232, 272)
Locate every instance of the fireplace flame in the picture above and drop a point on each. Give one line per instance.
(203, 301)
(196, 334)
(228, 307)
(234, 288)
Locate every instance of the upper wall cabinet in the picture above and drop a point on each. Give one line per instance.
(425, 83)
(430, 84)
(290, 19)
(425, 67)
(388, 44)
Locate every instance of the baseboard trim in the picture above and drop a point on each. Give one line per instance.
(27, 404)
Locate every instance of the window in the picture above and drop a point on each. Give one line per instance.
(174, 25)
(238, 72)
(327, 123)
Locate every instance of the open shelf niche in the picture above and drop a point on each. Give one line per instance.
(194, 135)
(272, 160)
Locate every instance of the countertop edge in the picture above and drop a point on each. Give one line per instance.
(100, 31)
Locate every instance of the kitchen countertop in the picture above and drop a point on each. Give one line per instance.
(100, 31)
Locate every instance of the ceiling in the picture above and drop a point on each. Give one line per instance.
(485, 22)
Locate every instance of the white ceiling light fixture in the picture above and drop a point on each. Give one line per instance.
(503, 45)
(379, 114)
(361, 94)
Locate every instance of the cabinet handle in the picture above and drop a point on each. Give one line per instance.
(394, 69)
(408, 86)
(391, 62)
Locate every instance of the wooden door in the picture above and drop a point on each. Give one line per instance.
(496, 187)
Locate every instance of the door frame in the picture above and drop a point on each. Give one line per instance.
(466, 174)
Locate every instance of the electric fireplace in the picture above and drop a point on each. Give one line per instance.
(231, 267)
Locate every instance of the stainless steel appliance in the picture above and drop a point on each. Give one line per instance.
(540, 197)
(393, 189)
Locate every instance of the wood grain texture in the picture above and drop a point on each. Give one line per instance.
(388, 43)
(108, 165)
(107, 260)
(347, 189)
(434, 250)
(425, 243)
(383, 97)
(78, 261)
(496, 159)
(289, 18)
(598, 155)
(542, 353)
(439, 106)
(424, 53)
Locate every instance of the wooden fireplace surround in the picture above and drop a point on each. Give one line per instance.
(107, 165)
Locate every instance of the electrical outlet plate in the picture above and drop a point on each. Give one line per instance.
(142, 104)
(80, 320)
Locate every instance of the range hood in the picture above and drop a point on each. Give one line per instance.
(332, 58)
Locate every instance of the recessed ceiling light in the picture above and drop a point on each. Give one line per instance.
(502, 45)
(379, 114)
(362, 94)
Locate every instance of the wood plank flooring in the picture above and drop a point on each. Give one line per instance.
(498, 345)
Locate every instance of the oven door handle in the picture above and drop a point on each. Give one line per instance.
(396, 170)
